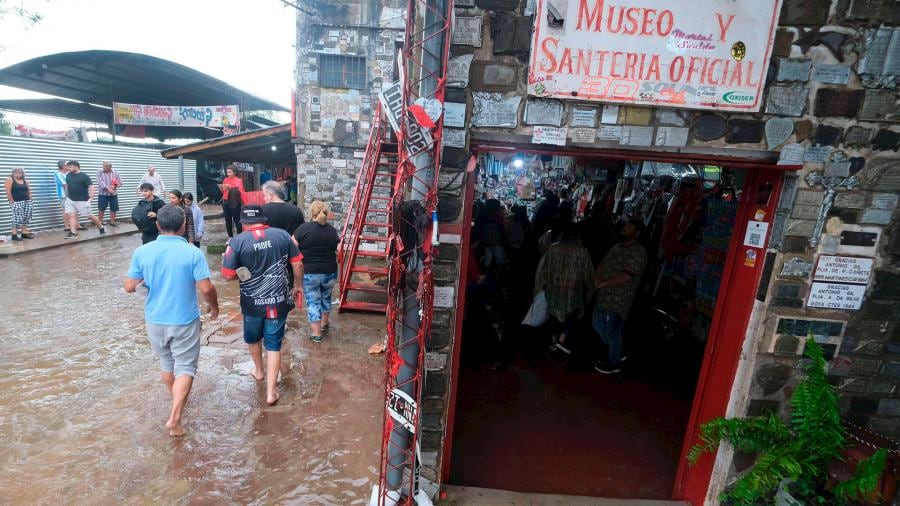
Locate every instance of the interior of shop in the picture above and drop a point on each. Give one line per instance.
(532, 418)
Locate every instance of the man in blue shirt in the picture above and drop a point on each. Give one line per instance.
(60, 178)
(173, 270)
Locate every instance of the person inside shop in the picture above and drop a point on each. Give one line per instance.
(489, 233)
(545, 213)
(566, 275)
(561, 221)
(616, 280)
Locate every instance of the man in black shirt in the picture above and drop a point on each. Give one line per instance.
(280, 214)
(79, 194)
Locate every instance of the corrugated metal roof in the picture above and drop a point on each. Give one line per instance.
(103, 77)
(59, 108)
(254, 146)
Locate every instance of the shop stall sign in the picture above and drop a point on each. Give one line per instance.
(402, 409)
(714, 55)
(211, 116)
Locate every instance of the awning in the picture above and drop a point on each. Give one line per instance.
(270, 145)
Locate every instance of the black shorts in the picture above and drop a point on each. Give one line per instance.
(111, 201)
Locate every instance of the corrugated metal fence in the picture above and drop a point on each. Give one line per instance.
(38, 158)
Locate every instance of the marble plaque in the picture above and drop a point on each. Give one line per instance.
(880, 105)
(880, 63)
(790, 69)
(876, 216)
(458, 71)
(671, 136)
(493, 110)
(583, 117)
(630, 115)
(467, 31)
(832, 74)
(708, 127)
(583, 135)
(610, 115)
(787, 100)
(851, 200)
(857, 136)
(543, 111)
(636, 136)
(609, 133)
(777, 131)
(803, 129)
(838, 102)
(744, 131)
(885, 201)
(455, 115)
(791, 154)
(673, 117)
(796, 268)
(817, 154)
(454, 137)
(837, 165)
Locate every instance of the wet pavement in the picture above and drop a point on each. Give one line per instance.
(83, 409)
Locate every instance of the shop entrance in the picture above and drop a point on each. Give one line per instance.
(569, 418)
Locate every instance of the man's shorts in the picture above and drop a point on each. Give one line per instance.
(81, 208)
(111, 201)
(62, 204)
(269, 330)
(177, 346)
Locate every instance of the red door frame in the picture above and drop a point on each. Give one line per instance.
(732, 313)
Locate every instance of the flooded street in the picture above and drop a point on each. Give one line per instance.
(82, 408)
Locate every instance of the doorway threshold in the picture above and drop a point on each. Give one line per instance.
(472, 496)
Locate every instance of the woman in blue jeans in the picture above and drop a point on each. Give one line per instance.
(318, 243)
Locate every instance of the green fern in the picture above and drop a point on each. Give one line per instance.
(800, 451)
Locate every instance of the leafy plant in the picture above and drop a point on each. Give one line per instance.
(799, 451)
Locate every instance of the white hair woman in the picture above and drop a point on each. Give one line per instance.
(318, 242)
(18, 193)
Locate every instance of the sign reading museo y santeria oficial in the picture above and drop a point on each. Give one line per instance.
(213, 116)
(695, 54)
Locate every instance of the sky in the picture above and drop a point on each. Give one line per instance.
(246, 43)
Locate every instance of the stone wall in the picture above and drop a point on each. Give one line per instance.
(820, 104)
(333, 124)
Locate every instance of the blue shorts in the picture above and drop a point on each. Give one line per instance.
(110, 201)
(268, 330)
(317, 290)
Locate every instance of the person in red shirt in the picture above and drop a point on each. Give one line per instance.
(232, 200)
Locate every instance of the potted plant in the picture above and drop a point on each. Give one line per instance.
(792, 458)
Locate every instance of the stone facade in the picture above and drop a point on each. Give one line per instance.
(333, 124)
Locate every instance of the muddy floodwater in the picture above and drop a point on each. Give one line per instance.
(82, 409)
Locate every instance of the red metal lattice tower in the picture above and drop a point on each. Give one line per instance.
(410, 308)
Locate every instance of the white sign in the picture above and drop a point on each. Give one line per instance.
(450, 239)
(756, 234)
(549, 135)
(609, 133)
(443, 296)
(495, 110)
(610, 115)
(836, 296)
(402, 408)
(454, 115)
(213, 116)
(467, 31)
(838, 269)
(454, 137)
(582, 117)
(583, 135)
(458, 71)
(683, 53)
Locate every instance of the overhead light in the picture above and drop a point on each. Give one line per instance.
(274, 148)
(517, 163)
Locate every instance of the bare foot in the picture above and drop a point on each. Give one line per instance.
(257, 374)
(272, 399)
(175, 428)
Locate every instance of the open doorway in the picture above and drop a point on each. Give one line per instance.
(531, 417)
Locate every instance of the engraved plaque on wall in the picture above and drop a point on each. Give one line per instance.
(584, 117)
(787, 100)
(467, 31)
(458, 71)
(880, 105)
(880, 63)
(541, 111)
(790, 69)
(493, 110)
(832, 74)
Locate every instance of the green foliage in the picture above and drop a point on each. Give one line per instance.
(5, 127)
(799, 451)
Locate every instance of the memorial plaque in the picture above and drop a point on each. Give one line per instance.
(796, 268)
(636, 136)
(805, 12)
(583, 135)
(802, 228)
(833, 102)
(503, 33)
(543, 111)
(549, 135)
(885, 201)
(787, 100)
(673, 117)
(610, 115)
(880, 63)
(609, 133)
(840, 269)
(493, 110)
(630, 115)
(886, 140)
(857, 136)
(803, 212)
(584, 117)
(827, 135)
(803, 129)
(876, 10)
(864, 239)
(876, 216)
(810, 197)
(744, 131)
(880, 105)
(817, 154)
(454, 115)
(671, 136)
(837, 165)
(836, 296)
(458, 71)
(791, 69)
(467, 31)
(454, 137)
(852, 200)
(777, 131)
(832, 74)
(495, 77)
(708, 127)
(791, 154)
(891, 369)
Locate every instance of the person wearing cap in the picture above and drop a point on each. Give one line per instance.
(259, 257)
(616, 281)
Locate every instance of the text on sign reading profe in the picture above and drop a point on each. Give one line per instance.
(597, 16)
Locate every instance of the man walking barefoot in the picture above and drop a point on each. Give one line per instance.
(259, 257)
(173, 270)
